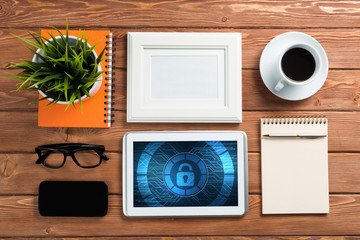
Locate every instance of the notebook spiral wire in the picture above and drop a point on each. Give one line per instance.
(294, 120)
(109, 80)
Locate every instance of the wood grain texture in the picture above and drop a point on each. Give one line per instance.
(21, 134)
(340, 92)
(342, 220)
(197, 238)
(253, 43)
(335, 24)
(343, 129)
(15, 101)
(20, 175)
(181, 13)
(255, 40)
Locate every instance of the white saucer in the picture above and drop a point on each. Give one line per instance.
(269, 63)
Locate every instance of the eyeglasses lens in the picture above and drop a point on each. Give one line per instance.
(87, 158)
(54, 159)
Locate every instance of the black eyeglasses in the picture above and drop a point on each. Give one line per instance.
(84, 155)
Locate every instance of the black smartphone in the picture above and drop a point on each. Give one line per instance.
(73, 198)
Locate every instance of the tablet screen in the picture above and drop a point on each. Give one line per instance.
(185, 173)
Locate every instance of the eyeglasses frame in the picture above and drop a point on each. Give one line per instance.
(69, 149)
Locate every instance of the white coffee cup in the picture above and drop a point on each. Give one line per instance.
(284, 80)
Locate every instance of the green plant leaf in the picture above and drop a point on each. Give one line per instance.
(66, 85)
(37, 54)
(60, 34)
(34, 44)
(88, 85)
(53, 102)
(67, 34)
(100, 57)
(71, 101)
(37, 38)
(80, 101)
(86, 92)
(67, 72)
(40, 99)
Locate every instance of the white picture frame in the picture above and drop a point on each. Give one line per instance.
(184, 77)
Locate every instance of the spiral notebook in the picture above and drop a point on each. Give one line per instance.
(97, 111)
(294, 165)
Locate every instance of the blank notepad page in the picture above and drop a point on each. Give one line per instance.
(294, 165)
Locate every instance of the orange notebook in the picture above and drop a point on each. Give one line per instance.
(97, 111)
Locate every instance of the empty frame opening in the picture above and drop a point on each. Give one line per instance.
(184, 77)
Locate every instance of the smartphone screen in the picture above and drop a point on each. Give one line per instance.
(73, 198)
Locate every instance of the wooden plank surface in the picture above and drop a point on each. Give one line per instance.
(181, 13)
(17, 127)
(196, 237)
(255, 40)
(20, 175)
(340, 92)
(335, 24)
(253, 43)
(20, 213)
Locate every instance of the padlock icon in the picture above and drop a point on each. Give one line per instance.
(185, 178)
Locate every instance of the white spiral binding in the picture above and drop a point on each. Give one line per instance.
(294, 120)
(109, 70)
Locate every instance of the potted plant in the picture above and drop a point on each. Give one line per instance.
(64, 69)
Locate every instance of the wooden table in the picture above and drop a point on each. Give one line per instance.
(335, 24)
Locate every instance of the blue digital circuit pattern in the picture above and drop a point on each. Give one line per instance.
(209, 169)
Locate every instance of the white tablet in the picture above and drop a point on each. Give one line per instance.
(193, 173)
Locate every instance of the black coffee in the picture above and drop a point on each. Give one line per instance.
(298, 64)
